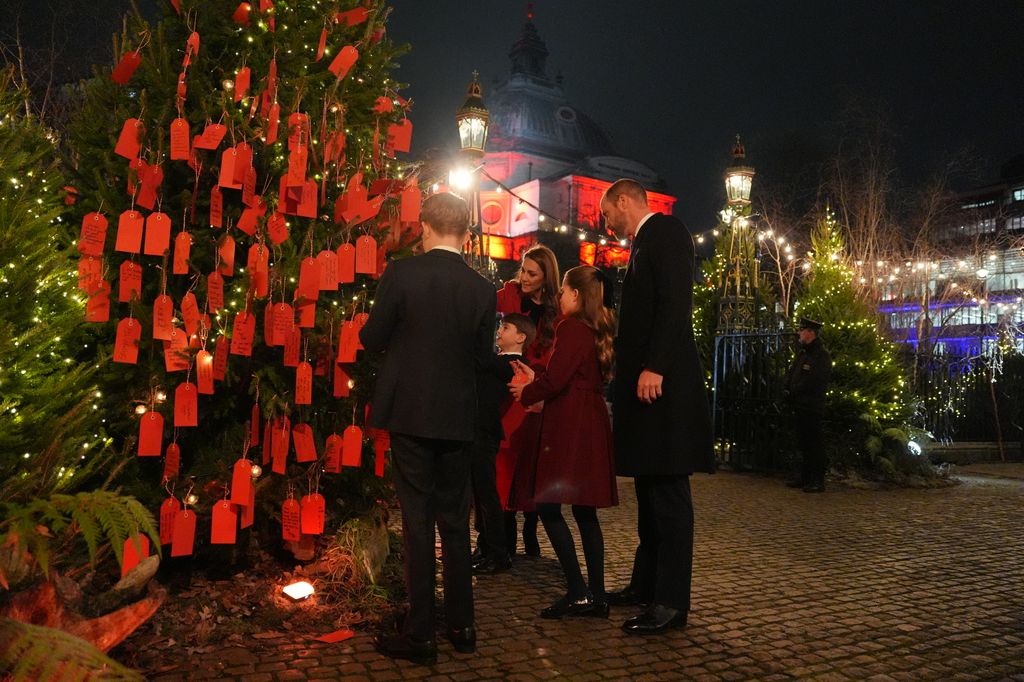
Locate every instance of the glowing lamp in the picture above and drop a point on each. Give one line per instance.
(473, 121)
(738, 178)
(299, 590)
(460, 179)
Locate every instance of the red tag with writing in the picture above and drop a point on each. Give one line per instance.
(136, 548)
(400, 136)
(126, 343)
(163, 314)
(268, 324)
(332, 454)
(172, 461)
(182, 250)
(297, 162)
(214, 292)
(327, 265)
(191, 48)
(90, 270)
(277, 228)
(180, 139)
(307, 314)
(243, 332)
(242, 79)
(227, 256)
(122, 73)
(341, 382)
(151, 434)
(190, 313)
(216, 207)
(129, 282)
(312, 512)
(280, 436)
(290, 512)
(204, 372)
(412, 199)
(291, 347)
(129, 232)
(303, 385)
(343, 62)
(158, 234)
(298, 130)
(97, 309)
(309, 280)
(224, 524)
(366, 255)
(128, 144)
(184, 533)
(168, 511)
(211, 137)
(176, 352)
(348, 342)
(305, 448)
(352, 452)
(249, 187)
(220, 359)
(346, 264)
(284, 321)
(186, 405)
(259, 269)
(93, 234)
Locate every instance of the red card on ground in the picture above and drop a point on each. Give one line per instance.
(126, 343)
(151, 434)
(290, 513)
(224, 525)
(158, 234)
(184, 533)
(312, 510)
(93, 234)
(303, 385)
(352, 453)
(336, 636)
(136, 548)
(168, 512)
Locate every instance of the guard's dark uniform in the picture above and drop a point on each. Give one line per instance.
(806, 384)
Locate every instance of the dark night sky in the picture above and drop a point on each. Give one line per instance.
(672, 81)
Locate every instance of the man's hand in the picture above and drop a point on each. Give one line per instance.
(648, 386)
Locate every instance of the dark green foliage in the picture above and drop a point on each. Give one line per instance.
(31, 652)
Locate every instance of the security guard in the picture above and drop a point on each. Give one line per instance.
(806, 384)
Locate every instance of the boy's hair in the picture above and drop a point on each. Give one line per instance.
(447, 214)
(523, 324)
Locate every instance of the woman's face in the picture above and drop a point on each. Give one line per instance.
(568, 299)
(531, 277)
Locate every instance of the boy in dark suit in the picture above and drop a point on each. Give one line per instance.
(434, 317)
(493, 399)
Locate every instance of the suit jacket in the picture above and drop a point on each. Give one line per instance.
(493, 397)
(434, 318)
(671, 436)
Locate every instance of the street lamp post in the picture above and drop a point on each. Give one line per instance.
(473, 122)
(738, 307)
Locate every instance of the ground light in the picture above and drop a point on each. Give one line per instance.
(299, 590)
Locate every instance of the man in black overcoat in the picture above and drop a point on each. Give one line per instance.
(434, 318)
(806, 387)
(662, 423)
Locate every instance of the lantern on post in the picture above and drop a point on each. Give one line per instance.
(473, 121)
(738, 178)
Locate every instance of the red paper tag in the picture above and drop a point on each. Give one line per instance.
(90, 272)
(383, 105)
(241, 482)
(128, 144)
(290, 513)
(344, 60)
(129, 232)
(242, 83)
(341, 382)
(243, 162)
(243, 332)
(93, 234)
(360, 320)
(400, 136)
(284, 321)
(366, 255)
(251, 214)
(305, 448)
(411, 201)
(226, 178)
(136, 548)
(334, 150)
(273, 123)
(204, 372)
(277, 228)
(122, 73)
(322, 45)
(227, 256)
(249, 510)
(297, 162)
(268, 441)
(348, 342)
(150, 179)
(327, 265)
(254, 426)
(249, 187)
(151, 434)
(214, 292)
(346, 264)
(304, 385)
(97, 309)
(176, 352)
(352, 17)
(291, 347)
(163, 314)
(129, 282)
(380, 446)
(298, 130)
(191, 48)
(211, 137)
(352, 452)
(224, 524)
(312, 512)
(172, 461)
(216, 208)
(259, 270)
(180, 139)
(182, 250)
(168, 512)
(309, 280)
(158, 234)
(184, 533)
(190, 314)
(306, 314)
(186, 405)
(307, 204)
(220, 359)
(336, 636)
(126, 343)
(332, 454)
(280, 436)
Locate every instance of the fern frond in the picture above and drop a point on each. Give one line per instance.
(32, 652)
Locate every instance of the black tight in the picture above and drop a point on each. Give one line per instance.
(593, 547)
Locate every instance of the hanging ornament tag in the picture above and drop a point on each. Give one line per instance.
(227, 256)
(297, 162)
(290, 513)
(186, 405)
(305, 448)
(97, 309)
(306, 314)
(172, 461)
(343, 62)
(163, 313)
(268, 441)
(129, 282)
(168, 512)
(332, 454)
(277, 228)
(182, 249)
(309, 280)
(93, 234)
(383, 105)
(360, 321)
(334, 150)
(211, 137)
(259, 269)
(249, 188)
(129, 232)
(268, 324)
(126, 343)
(273, 123)
(291, 347)
(346, 264)
(412, 199)
(243, 162)
(214, 292)
(243, 332)
(184, 533)
(204, 372)
(135, 549)
(158, 234)
(220, 359)
(322, 45)
(216, 207)
(352, 452)
(190, 314)
(304, 384)
(151, 434)
(327, 264)
(307, 203)
(125, 68)
(298, 130)
(400, 136)
(180, 139)
(249, 510)
(312, 513)
(224, 525)
(226, 178)
(128, 144)
(191, 48)
(380, 447)
(366, 255)
(242, 79)
(352, 17)
(284, 321)
(348, 342)
(90, 271)
(341, 382)
(176, 351)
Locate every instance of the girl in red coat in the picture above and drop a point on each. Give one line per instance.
(575, 462)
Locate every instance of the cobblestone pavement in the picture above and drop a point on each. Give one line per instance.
(850, 584)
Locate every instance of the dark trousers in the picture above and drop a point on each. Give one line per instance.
(663, 566)
(432, 480)
(488, 517)
(530, 544)
(811, 439)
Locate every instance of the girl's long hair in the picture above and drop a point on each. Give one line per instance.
(548, 264)
(592, 312)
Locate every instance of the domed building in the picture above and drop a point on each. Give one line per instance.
(552, 155)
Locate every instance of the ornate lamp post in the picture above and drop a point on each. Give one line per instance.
(737, 309)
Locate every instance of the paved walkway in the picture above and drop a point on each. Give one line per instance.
(850, 584)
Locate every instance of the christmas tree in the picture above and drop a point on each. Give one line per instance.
(238, 195)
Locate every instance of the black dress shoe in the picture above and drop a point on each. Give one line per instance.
(814, 488)
(654, 620)
(463, 639)
(627, 596)
(582, 606)
(405, 647)
(492, 564)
